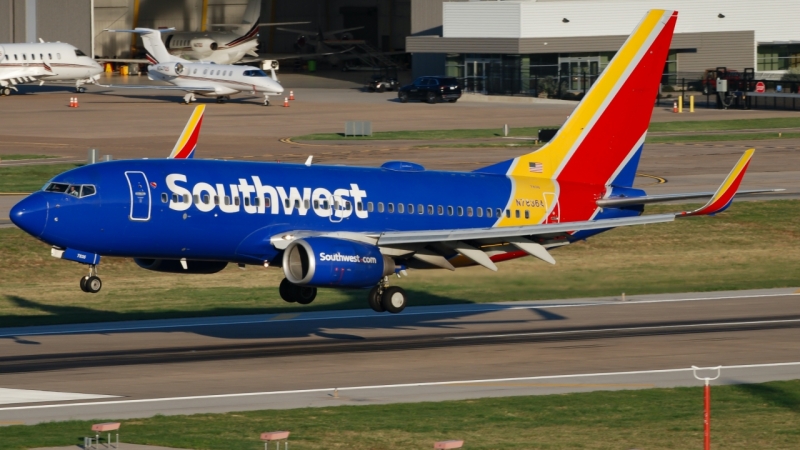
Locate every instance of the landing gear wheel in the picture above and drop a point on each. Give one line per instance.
(286, 289)
(305, 294)
(403, 97)
(83, 283)
(374, 299)
(266, 102)
(431, 98)
(6, 91)
(80, 90)
(93, 285)
(394, 299)
(222, 99)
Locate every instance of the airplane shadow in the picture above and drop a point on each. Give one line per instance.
(277, 328)
(772, 395)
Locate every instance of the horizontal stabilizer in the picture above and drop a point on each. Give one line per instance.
(724, 195)
(648, 199)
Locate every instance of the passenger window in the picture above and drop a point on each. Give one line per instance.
(174, 198)
(196, 199)
(33, 57)
(380, 207)
(216, 200)
(266, 202)
(370, 207)
(164, 197)
(360, 206)
(286, 203)
(316, 204)
(449, 210)
(257, 201)
(460, 210)
(41, 56)
(400, 208)
(469, 211)
(307, 204)
(247, 201)
(440, 210)
(6, 57)
(194, 72)
(185, 198)
(516, 213)
(410, 208)
(430, 210)
(499, 213)
(49, 56)
(508, 213)
(24, 58)
(527, 214)
(479, 212)
(348, 206)
(297, 204)
(324, 204)
(205, 72)
(390, 207)
(15, 57)
(488, 212)
(227, 200)
(236, 200)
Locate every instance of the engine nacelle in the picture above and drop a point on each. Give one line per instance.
(203, 46)
(324, 261)
(169, 69)
(174, 266)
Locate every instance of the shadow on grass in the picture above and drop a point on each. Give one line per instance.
(773, 394)
(53, 314)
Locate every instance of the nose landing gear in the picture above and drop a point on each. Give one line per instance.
(91, 283)
(189, 98)
(266, 100)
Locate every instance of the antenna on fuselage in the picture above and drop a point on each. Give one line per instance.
(308, 161)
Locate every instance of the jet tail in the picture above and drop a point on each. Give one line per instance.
(187, 142)
(156, 50)
(600, 142)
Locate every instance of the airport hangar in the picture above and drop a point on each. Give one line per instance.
(495, 47)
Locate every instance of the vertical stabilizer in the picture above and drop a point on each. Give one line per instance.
(601, 139)
(187, 142)
(156, 50)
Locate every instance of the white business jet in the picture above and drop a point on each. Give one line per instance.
(201, 78)
(45, 61)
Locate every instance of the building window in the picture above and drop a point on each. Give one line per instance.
(778, 57)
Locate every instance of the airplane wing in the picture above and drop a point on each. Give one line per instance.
(124, 61)
(343, 30)
(25, 75)
(263, 24)
(298, 56)
(295, 31)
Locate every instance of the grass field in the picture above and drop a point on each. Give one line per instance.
(757, 416)
(752, 245)
(682, 126)
(30, 178)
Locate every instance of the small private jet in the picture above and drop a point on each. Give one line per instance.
(208, 79)
(40, 62)
(354, 227)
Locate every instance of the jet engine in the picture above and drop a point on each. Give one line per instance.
(169, 69)
(203, 46)
(324, 261)
(175, 266)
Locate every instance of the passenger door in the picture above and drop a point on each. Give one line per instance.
(140, 196)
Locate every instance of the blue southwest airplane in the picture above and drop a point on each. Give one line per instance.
(353, 227)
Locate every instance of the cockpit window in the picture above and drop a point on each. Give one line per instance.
(75, 190)
(79, 53)
(254, 73)
(56, 187)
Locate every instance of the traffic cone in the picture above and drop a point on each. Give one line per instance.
(291, 95)
(72, 102)
(675, 107)
(286, 102)
(76, 102)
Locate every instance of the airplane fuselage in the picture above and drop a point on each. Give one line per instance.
(220, 47)
(49, 61)
(228, 211)
(223, 79)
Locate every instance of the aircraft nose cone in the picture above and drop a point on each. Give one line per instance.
(30, 214)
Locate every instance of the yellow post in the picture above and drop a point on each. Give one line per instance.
(691, 103)
(123, 70)
(204, 16)
(680, 104)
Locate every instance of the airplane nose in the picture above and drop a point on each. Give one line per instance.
(30, 214)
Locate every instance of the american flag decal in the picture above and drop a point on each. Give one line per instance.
(535, 167)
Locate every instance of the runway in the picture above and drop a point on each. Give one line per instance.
(424, 354)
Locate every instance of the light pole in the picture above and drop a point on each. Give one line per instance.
(707, 402)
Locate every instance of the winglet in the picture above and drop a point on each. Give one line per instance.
(724, 196)
(187, 142)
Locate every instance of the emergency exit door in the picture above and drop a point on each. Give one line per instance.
(140, 196)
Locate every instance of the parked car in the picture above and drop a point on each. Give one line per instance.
(380, 83)
(431, 89)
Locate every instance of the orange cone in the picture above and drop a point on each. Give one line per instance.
(675, 107)
(72, 102)
(285, 102)
(76, 102)
(291, 95)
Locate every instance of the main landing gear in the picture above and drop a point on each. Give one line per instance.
(266, 100)
(91, 283)
(189, 98)
(293, 293)
(387, 298)
(5, 90)
(223, 98)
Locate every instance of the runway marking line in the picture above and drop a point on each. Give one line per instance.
(389, 386)
(659, 327)
(373, 315)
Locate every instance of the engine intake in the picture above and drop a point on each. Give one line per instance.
(174, 266)
(323, 261)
